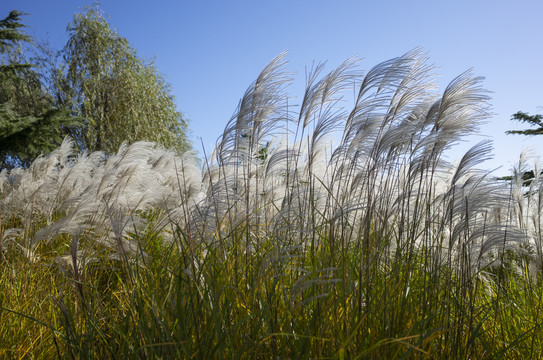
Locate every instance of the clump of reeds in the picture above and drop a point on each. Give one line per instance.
(319, 229)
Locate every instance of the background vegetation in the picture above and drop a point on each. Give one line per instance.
(96, 90)
(30, 121)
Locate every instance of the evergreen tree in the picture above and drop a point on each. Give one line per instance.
(11, 34)
(29, 123)
(533, 120)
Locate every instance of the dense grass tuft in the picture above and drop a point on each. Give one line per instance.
(321, 230)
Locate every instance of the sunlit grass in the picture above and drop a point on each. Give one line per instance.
(285, 245)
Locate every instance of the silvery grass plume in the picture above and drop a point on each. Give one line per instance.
(102, 198)
(383, 185)
(526, 204)
(372, 176)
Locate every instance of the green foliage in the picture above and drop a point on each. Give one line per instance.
(10, 31)
(532, 120)
(25, 138)
(527, 177)
(100, 93)
(120, 96)
(189, 299)
(30, 124)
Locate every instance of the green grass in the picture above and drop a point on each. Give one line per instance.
(198, 302)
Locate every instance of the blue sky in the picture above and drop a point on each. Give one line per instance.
(210, 51)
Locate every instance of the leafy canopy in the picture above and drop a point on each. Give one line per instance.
(120, 96)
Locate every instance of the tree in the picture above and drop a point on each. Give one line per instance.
(29, 123)
(534, 120)
(10, 36)
(120, 96)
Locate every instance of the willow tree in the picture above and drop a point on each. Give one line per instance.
(120, 96)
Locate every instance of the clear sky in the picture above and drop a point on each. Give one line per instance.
(210, 51)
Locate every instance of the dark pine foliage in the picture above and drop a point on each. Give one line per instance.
(30, 124)
(533, 120)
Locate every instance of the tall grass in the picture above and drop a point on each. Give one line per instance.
(328, 229)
